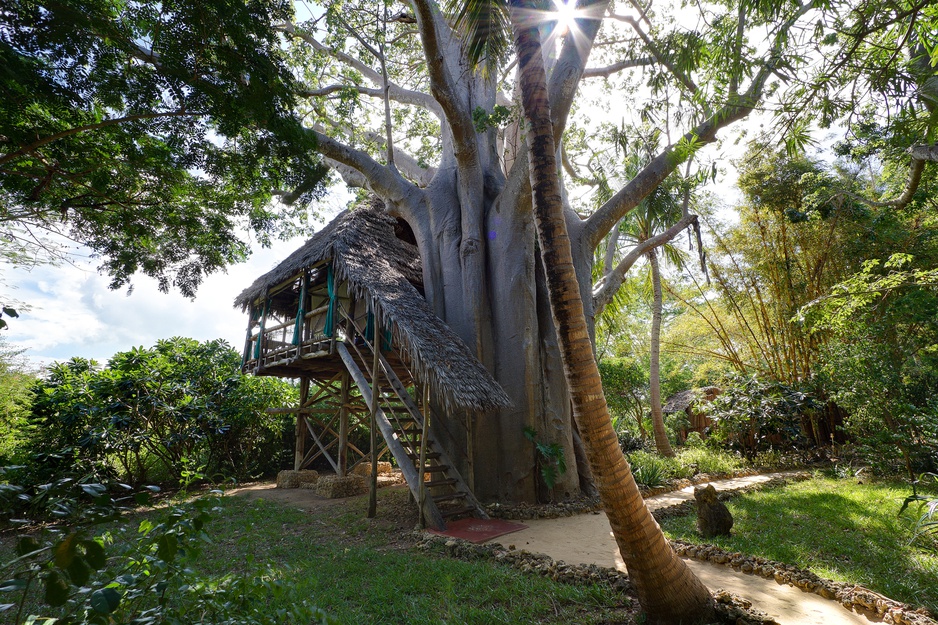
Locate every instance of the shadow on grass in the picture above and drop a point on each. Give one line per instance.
(836, 528)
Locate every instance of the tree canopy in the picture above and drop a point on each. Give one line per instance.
(152, 133)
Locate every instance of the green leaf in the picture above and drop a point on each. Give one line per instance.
(12, 584)
(11, 312)
(79, 571)
(167, 547)
(56, 592)
(26, 545)
(94, 554)
(105, 600)
(65, 551)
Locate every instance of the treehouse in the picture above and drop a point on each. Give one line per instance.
(345, 313)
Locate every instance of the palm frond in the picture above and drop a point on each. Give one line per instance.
(485, 28)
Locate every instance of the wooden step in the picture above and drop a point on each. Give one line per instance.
(456, 512)
(431, 455)
(439, 483)
(437, 468)
(448, 497)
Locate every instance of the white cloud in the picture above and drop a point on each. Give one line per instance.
(71, 311)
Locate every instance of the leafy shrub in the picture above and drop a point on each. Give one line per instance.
(629, 441)
(923, 520)
(752, 415)
(650, 469)
(704, 460)
(694, 440)
(149, 409)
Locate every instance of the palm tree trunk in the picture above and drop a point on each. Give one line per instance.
(662, 444)
(667, 590)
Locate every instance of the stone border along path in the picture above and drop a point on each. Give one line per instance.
(582, 546)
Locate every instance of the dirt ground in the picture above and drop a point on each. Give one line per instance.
(587, 538)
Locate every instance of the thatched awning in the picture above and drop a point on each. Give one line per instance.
(364, 251)
(680, 401)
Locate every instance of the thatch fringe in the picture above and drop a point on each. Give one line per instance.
(380, 267)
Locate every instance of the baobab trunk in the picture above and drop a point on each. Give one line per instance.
(506, 320)
(668, 591)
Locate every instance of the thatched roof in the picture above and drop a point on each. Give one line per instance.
(364, 251)
(681, 400)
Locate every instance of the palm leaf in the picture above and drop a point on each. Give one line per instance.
(486, 29)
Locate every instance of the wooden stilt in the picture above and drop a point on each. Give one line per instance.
(301, 426)
(343, 424)
(422, 468)
(373, 409)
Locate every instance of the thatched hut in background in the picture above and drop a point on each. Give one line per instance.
(317, 316)
(689, 402)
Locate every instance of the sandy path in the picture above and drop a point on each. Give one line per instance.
(587, 539)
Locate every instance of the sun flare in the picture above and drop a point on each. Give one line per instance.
(566, 15)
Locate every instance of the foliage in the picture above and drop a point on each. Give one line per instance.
(882, 358)
(150, 410)
(15, 399)
(840, 529)
(9, 312)
(752, 415)
(699, 459)
(152, 136)
(625, 384)
(796, 237)
(649, 469)
(924, 520)
(78, 574)
(550, 458)
(652, 470)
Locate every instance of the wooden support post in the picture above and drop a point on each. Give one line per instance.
(344, 423)
(301, 426)
(373, 409)
(422, 469)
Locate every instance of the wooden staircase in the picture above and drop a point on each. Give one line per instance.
(435, 483)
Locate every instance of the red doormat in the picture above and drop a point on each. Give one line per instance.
(479, 530)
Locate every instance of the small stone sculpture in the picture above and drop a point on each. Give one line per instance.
(713, 517)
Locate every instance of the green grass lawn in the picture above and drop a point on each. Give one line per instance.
(839, 529)
(367, 571)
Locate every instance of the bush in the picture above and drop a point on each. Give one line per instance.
(150, 409)
(752, 416)
(629, 441)
(710, 461)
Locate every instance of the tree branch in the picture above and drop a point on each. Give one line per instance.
(381, 179)
(605, 218)
(443, 86)
(568, 70)
(406, 163)
(656, 52)
(609, 70)
(396, 93)
(609, 284)
(35, 145)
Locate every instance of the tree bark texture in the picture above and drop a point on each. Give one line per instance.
(667, 589)
(662, 444)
